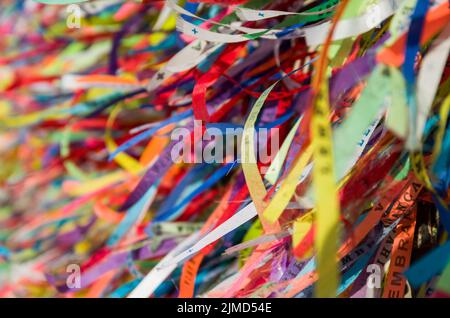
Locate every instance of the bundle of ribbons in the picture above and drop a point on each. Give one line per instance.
(224, 148)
